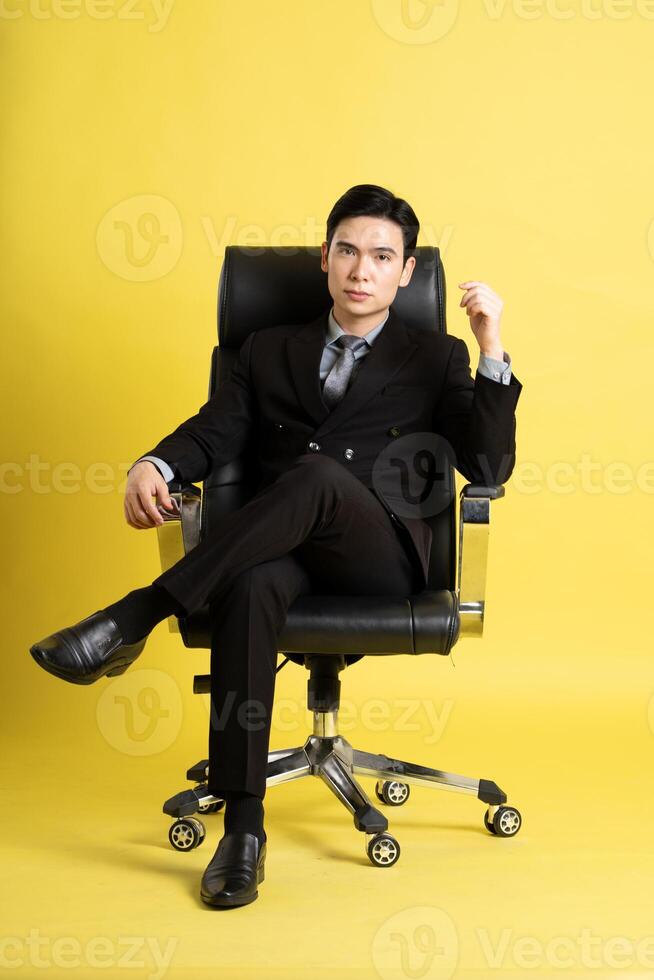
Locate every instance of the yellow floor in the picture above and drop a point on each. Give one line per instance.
(94, 889)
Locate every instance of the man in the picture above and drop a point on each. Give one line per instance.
(322, 403)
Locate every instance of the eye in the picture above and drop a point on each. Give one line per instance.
(384, 255)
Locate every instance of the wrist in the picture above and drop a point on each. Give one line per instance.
(142, 462)
(495, 352)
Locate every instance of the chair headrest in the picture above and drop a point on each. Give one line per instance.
(270, 285)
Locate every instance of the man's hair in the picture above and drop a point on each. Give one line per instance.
(376, 202)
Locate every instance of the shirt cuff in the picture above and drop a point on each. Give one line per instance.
(496, 370)
(166, 471)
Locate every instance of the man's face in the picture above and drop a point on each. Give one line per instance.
(366, 258)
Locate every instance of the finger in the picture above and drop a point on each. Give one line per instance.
(484, 307)
(467, 296)
(163, 496)
(147, 519)
(480, 289)
(490, 300)
(144, 522)
(135, 524)
(151, 512)
(138, 512)
(137, 521)
(128, 514)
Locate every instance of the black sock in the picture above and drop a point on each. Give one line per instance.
(140, 610)
(244, 812)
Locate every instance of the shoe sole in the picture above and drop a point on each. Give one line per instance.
(229, 903)
(118, 668)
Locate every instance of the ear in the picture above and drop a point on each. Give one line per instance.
(407, 271)
(323, 257)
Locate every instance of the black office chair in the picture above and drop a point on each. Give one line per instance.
(286, 285)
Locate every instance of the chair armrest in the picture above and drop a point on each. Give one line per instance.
(180, 531)
(474, 524)
(492, 490)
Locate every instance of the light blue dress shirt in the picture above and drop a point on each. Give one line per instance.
(490, 367)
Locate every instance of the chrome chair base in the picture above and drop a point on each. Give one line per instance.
(328, 755)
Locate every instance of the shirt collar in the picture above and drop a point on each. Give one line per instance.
(334, 331)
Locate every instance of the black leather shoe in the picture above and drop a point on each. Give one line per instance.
(87, 651)
(235, 870)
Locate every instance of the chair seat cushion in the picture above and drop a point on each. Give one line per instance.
(427, 622)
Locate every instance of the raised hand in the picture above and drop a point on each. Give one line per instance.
(484, 308)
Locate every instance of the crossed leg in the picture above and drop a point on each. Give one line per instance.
(315, 528)
(343, 534)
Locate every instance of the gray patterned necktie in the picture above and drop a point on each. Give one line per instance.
(337, 381)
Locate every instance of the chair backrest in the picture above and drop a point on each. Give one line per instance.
(265, 286)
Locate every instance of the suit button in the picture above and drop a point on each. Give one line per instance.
(314, 447)
(348, 453)
(394, 431)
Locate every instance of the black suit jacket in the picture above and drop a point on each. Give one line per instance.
(412, 385)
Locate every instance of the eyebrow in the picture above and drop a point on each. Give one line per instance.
(377, 248)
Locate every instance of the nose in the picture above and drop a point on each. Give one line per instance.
(359, 271)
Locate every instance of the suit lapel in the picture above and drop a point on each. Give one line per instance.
(304, 351)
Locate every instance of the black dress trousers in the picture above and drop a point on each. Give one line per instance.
(316, 528)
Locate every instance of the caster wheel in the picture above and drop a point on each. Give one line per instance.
(383, 850)
(506, 822)
(208, 807)
(488, 824)
(211, 807)
(186, 833)
(392, 792)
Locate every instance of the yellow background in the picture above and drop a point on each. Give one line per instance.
(521, 134)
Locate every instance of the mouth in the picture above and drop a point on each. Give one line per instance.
(355, 294)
